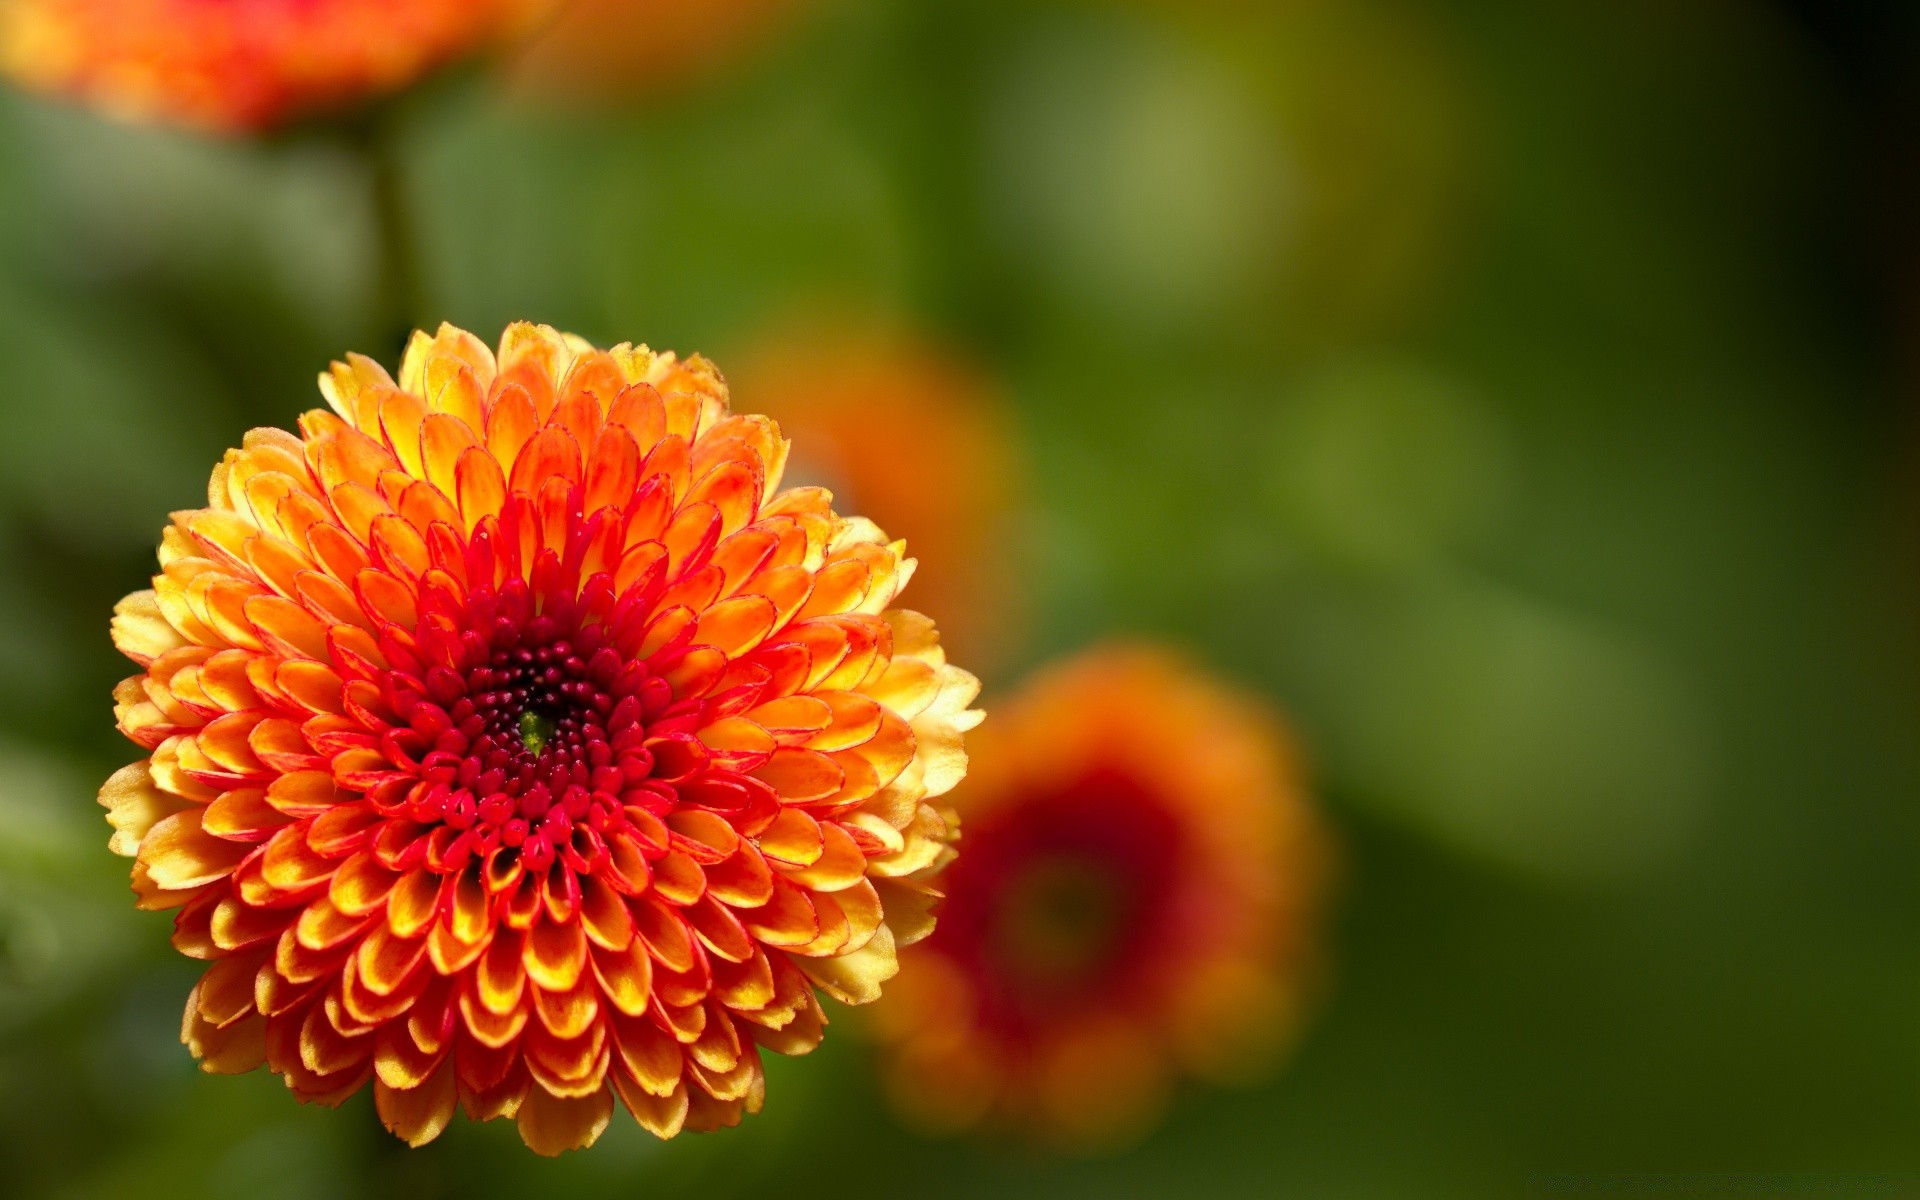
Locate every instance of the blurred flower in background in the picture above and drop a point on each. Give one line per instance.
(610, 50)
(242, 67)
(1137, 895)
(515, 742)
(914, 436)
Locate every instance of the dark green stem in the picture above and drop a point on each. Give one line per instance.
(399, 300)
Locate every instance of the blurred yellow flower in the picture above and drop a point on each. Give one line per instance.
(1137, 897)
(514, 741)
(239, 67)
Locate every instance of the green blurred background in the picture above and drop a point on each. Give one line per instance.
(1518, 393)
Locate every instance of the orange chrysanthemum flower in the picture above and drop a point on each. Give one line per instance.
(1136, 896)
(515, 741)
(916, 438)
(241, 66)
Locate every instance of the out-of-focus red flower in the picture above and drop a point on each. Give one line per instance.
(917, 438)
(611, 48)
(1136, 898)
(514, 741)
(241, 66)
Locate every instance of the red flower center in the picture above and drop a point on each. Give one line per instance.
(534, 730)
(1058, 897)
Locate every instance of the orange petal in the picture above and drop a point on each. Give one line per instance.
(719, 929)
(704, 832)
(794, 838)
(322, 925)
(413, 903)
(626, 976)
(501, 980)
(614, 470)
(733, 488)
(135, 804)
(419, 1114)
(479, 486)
(443, 439)
(744, 985)
(706, 1114)
(736, 738)
(556, 954)
(243, 815)
(800, 776)
(736, 626)
(665, 934)
(399, 1061)
(855, 978)
(551, 454)
(743, 881)
(325, 1050)
(360, 885)
(291, 864)
(233, 1050)
(790, 716)
(386, 962)
(786, 919)
(550, 1125)
(663, 1117)
(303, 794)
(568, 1015)
(678, 879)
(236, 925)
(856, 718)
(225, 992)
(494, 1030)
(604, 915)
(840, 865)
(178, 854)
(141, 631)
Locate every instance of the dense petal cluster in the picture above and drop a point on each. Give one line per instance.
(1137, 897)
(515, 742)
(241, 66)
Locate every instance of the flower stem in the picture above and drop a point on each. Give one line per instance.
(399, 301)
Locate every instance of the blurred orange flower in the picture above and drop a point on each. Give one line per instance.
(602, 48)
(916, 438)
(515, 741)
(1136, 896)
(236, 67)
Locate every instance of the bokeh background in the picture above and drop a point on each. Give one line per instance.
(1521, 395)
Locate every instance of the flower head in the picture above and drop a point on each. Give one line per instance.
(240, 66)
(1135, 898)
(515, 741)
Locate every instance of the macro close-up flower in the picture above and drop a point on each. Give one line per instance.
(1137, 900)
(516, 742)
(917, 437)
(246, 66)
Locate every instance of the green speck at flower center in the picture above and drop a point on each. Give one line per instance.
(536, 730)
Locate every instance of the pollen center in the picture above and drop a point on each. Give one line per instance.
(536, 730)
(531, 732)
